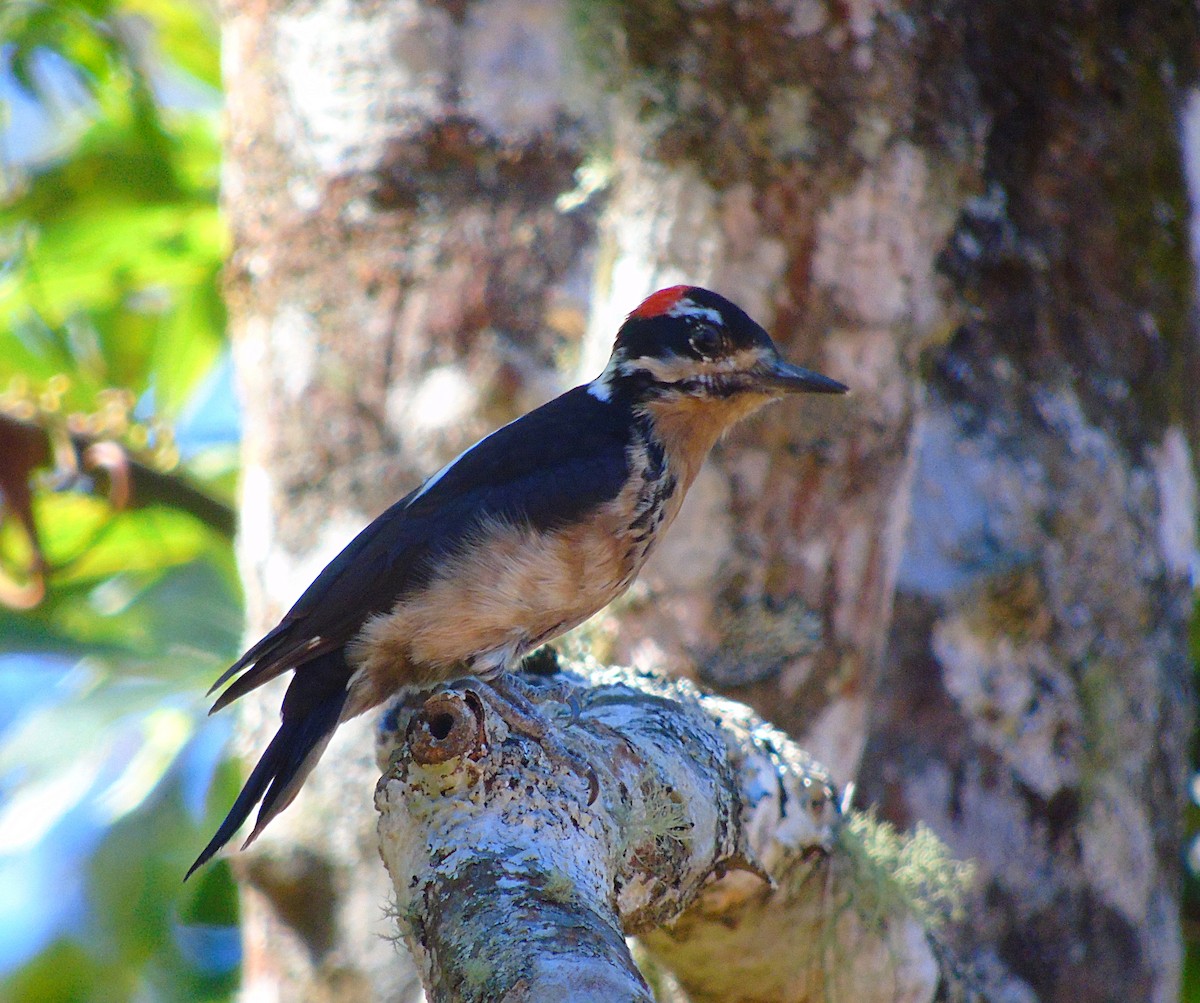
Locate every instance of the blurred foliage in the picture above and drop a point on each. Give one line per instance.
(111, 320)
(114, 248)
(148, 936)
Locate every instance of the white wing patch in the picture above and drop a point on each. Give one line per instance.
(431, 481)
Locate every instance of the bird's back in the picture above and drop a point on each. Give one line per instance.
(496, 553)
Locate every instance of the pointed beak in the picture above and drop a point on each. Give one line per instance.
(782, 377)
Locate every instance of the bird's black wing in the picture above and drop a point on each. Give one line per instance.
(546, 468)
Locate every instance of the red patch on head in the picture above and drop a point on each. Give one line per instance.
(656, 304)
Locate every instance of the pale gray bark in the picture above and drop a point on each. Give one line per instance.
(510, 884)
(401, 283)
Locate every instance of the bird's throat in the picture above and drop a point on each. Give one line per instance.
(688, 427)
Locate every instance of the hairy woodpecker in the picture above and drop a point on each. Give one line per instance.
(522, 537)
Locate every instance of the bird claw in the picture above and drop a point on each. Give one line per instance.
(557, 691)
(505, 696)
(560, 755)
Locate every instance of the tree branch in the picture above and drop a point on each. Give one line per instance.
(26, 447)
(509, 882)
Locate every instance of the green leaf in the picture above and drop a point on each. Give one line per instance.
(109, 264)
(72, 30)
(139, 897)
(148, 539)
(112, 250)
(132, 256)
(85, 541)
(177, 620)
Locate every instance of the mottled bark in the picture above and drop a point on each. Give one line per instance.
(973, 214)
(512, 884)
(970, 212)
(1037, 708)
(401, 283)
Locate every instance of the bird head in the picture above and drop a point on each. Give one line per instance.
(688, 344)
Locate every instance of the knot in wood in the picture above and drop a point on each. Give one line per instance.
(448, 726)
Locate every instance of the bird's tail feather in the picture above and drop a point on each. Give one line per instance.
(311, 712)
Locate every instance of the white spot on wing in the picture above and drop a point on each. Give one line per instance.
(430, 482)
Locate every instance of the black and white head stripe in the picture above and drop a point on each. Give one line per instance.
(676, 328)
(679, 301)
(689, 340)
(690, 322)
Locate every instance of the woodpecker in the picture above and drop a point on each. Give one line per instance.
(525, 535)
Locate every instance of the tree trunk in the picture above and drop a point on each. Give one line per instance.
(401, 283)
(972, 213)
(1036, 708)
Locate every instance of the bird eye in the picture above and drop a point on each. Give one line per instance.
(705, 342)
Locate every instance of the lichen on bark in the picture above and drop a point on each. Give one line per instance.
(1040, 644)
(711, 835)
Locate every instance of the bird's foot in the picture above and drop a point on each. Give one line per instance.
(519, 688)
(509, 698)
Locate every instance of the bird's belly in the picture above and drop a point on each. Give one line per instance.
(510, 590)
